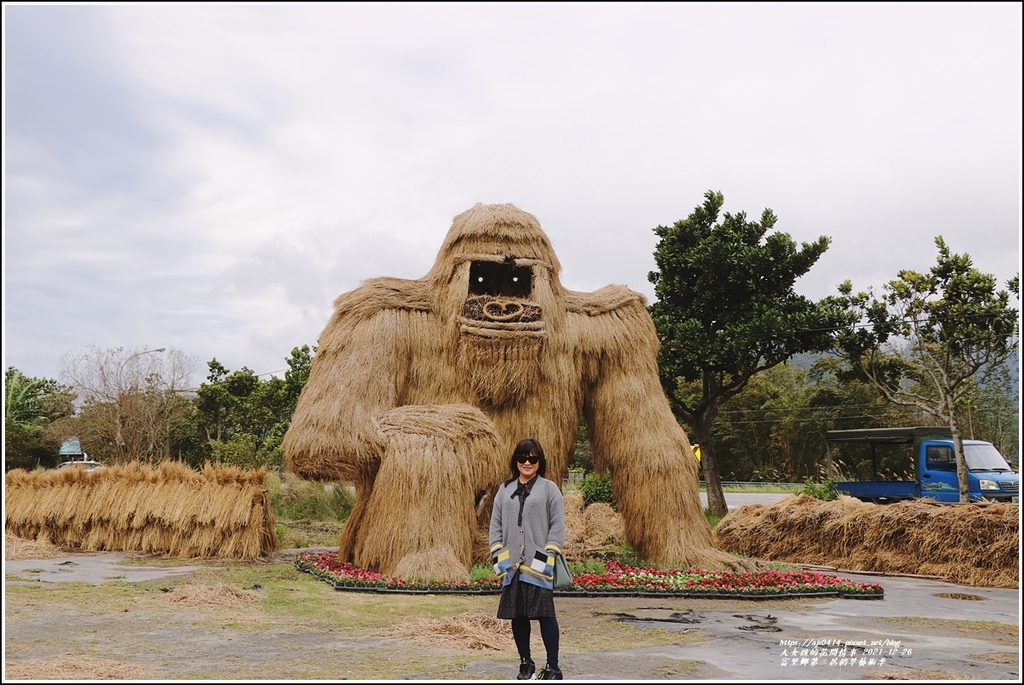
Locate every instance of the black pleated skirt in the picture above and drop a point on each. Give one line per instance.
(526, 599)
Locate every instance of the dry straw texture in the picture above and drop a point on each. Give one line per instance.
(592, 529)
(969, 544)
(219, 595)
(18, 548)
(418, 399)
(79, 669)
(466, 631)
(219, 512)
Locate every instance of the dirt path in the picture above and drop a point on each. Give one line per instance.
(129, 617)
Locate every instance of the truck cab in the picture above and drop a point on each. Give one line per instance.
(989, 476)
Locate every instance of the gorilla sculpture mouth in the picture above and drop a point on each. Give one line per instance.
(498, 309)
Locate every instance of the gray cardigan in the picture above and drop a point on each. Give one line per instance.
(530, 547)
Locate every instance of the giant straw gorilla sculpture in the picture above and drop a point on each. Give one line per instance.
(420, 389)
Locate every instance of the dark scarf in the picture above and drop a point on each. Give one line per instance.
(522, 492)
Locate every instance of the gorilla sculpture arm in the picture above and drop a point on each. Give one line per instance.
(362, 360)
(635, 436)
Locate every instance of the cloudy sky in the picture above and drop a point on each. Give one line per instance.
(209, 177)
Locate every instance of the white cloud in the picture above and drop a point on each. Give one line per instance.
(211, 177)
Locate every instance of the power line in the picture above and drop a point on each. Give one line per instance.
(830, 406)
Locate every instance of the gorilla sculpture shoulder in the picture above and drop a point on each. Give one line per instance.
(420, 389)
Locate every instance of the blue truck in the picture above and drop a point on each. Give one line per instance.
(918, 461)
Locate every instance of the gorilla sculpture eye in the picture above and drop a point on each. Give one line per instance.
(494, 279)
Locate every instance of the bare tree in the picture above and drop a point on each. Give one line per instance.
(128, 399)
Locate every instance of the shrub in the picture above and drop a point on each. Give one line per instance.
(825, 490)
(296, 499)
(597, 487)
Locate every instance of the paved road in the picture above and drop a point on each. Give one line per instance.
(734, 500)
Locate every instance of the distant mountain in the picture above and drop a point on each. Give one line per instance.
(805, 361)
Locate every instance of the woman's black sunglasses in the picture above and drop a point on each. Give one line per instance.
(523, 458)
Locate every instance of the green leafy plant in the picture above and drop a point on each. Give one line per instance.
(825, 490)
(597, 487)
(712, 519)
(480, 572)
(588, 565)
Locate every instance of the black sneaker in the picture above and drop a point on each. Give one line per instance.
(526, 669)
(550, 673)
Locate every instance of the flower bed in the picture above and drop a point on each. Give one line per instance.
(617, 579)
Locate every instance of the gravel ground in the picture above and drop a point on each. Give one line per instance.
(922, 630)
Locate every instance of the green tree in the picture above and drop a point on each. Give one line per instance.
(582, 453)
(844, 400)
(299, 362)
(761, 431)
(774, 429)
(726, 310)
(32, 406)
(992, 412)
(188, 443)
(930, 339)
(243, 418)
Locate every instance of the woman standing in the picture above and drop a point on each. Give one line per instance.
(527, 528)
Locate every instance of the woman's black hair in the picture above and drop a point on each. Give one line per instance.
(525, 447)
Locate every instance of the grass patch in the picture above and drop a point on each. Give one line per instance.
(1003, 633)
(711, 518)
(295, 499)
(305, 533)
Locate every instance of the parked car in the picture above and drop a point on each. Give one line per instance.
(75, 458)
(86, 463)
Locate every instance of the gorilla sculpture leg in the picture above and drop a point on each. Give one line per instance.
(421, 517)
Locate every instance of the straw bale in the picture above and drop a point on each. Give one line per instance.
(575, 524)
(971, 544)
(168, 509)
(527, 366)
(589, 529)
(603, 527)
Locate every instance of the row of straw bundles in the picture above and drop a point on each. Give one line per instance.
(171, 509)
(969, 544)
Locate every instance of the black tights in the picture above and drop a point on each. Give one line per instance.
(548, 633)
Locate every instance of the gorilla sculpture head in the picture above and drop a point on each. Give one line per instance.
(498, 275)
